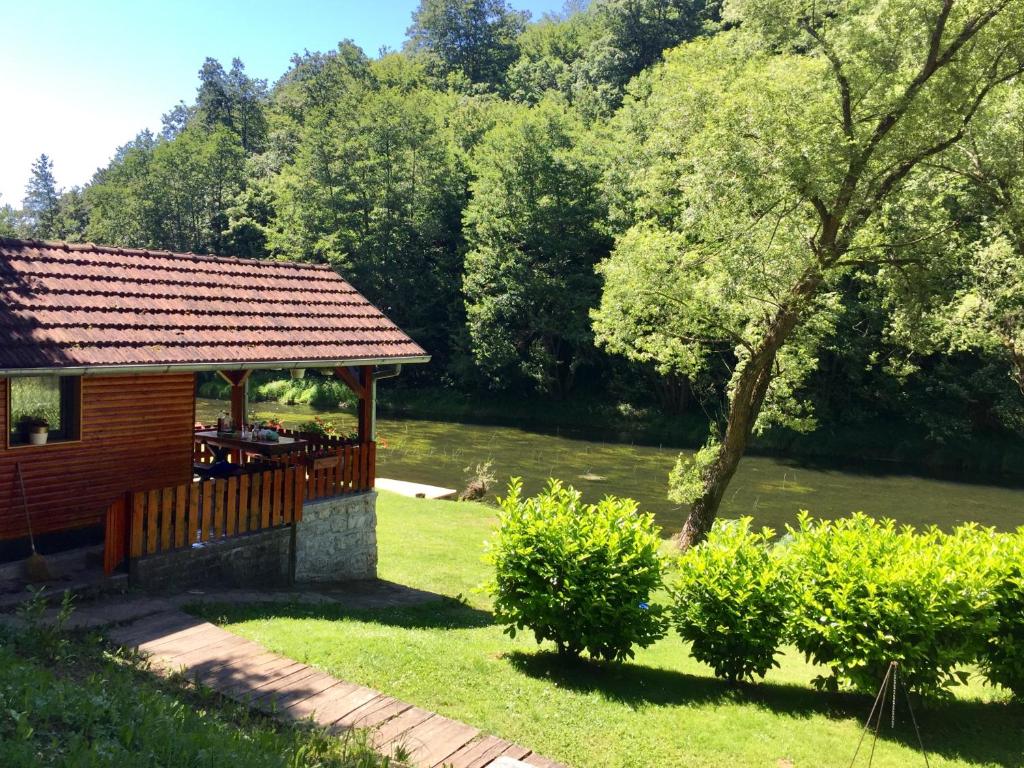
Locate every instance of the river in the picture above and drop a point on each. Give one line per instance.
(772, 490)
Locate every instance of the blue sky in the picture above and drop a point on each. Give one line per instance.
(78, 79)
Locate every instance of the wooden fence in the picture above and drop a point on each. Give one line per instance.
(161, 520)
(178, 517)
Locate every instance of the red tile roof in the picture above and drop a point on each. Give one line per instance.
(65, 305)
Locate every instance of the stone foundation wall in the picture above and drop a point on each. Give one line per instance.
(337, 539)
(259, 559)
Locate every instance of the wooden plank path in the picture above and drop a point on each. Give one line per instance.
(243, 670)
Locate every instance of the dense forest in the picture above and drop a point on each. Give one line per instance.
(624, 203)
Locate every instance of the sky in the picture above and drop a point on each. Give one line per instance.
(79, 79)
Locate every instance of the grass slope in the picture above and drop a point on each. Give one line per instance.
(664, 708)
(87, 706)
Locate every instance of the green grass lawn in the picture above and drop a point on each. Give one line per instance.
(68, 700)
(662, 709)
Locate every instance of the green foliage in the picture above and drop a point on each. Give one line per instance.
(867, 593)
(312, 390)
(473, 38)
(687, 478)
(92, 707)
(731, 599)
(324, 428)
(234, 100)
(534, 234)
(716, 173)
(1002, 658)
(375, 188)
(580, 575)
(35, 400)
(760, 168)
(168, 193)
(41, 205)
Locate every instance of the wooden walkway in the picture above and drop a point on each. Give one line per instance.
(243, 670)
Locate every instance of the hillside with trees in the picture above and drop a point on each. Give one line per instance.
(774, 220)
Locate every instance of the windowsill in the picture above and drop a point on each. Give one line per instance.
(47, 444)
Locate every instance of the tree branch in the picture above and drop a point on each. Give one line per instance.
(845, 99)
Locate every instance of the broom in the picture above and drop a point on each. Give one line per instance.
(35, 566)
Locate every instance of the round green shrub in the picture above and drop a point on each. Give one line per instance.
(1002, 658)
(866, 593)
(580, 575)
(730, 600)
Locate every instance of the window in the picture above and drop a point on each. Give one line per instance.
(43, 409)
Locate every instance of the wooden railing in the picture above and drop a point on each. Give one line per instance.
(183, 515)
(348, 468)
(165, 519)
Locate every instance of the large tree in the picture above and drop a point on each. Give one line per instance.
(985, 311)
(232, 99)
(535, 232)
(9, 223)
(375, 189)
(173, 194)
(476, 38)
(767, 164)
(41, 205)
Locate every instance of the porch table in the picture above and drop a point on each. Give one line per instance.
(221, 444)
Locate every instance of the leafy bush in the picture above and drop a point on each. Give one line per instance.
(730, 600)
(867, 593)
(580, 575)
(314, 390)
(215, 389)
(1002, 658)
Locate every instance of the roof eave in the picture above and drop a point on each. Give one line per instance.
(262, 365)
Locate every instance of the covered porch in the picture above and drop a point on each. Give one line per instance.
(242, 482)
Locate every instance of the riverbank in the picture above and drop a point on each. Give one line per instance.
(882, 442)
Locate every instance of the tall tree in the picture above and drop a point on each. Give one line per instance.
(376, 189)
(986, 309)
(771, 162)
(41, 205)
(171, 194)
(534, 234)
(9, 223)
(476, 38)
(72, 216)
(232, 99)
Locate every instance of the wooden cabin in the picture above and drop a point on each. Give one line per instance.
(104, 344)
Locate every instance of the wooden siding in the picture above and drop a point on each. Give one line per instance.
(136, 435)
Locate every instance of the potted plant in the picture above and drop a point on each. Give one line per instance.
(37, 428)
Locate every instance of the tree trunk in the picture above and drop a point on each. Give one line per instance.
(745, 404)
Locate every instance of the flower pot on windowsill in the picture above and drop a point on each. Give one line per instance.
(36, 430)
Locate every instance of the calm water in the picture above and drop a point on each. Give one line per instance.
(772, 490)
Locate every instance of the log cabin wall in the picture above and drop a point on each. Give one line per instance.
(136, 434)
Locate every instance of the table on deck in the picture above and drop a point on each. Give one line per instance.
(221, 444)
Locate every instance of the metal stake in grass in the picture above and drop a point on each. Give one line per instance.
(878, 709)
(35, 567)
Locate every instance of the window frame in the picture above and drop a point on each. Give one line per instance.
(70, 407)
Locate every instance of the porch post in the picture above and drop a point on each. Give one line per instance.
(366, 404)
(239, 381)
(239, 400)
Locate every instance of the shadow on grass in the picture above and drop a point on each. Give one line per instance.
(440, 613)
(972, 731)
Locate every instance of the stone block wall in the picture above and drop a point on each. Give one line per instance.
(337, 539)
(259, 559)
